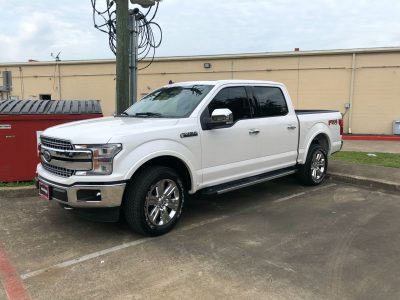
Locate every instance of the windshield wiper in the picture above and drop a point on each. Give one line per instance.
(148, 114)
(124, 114)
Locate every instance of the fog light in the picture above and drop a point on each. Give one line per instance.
(88, 195)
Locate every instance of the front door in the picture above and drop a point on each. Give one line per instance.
(232, 152)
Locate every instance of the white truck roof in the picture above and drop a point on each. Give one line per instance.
(222, 82)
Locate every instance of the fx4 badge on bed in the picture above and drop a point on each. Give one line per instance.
(189, 134)
(333, 122)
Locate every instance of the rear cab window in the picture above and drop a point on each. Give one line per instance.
(269, 102)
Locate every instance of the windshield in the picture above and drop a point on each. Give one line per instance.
(169, 102)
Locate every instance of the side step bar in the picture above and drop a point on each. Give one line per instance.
(241, 183)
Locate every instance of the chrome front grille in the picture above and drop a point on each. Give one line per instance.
(56, 143)
(60, 158)
(63, 172)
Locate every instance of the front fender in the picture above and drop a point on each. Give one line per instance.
(134, 159)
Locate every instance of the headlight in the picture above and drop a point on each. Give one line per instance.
(103, 156)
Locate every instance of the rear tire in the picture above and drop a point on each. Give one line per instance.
(314, 170)
(154, 200)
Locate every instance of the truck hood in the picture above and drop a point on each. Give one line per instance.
(101, 130)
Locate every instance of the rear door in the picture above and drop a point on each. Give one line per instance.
(278, 126)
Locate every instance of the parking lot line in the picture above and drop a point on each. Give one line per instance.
(323, 187)
(109, 250)
(289, 197)
(145, 240)
(84, 258)
(303, 193)
(10, 280)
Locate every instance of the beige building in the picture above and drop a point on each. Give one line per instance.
(366, 81)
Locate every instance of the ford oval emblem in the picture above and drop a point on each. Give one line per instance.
(47, 156)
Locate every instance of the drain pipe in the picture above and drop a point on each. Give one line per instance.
(59, 81)
(353, 75)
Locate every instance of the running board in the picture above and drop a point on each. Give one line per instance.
(241, 183)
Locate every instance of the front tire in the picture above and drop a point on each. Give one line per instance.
(313, 172)
(154, 200)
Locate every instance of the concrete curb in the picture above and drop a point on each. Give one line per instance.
(375, 183)
(17, 192)
(371, 138)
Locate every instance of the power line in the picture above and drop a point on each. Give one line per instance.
(105, 21)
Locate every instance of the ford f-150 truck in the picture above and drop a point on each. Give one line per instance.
(206, 136)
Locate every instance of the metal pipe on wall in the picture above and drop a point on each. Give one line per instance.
(353, 75)
(59, 82)
(21, 79)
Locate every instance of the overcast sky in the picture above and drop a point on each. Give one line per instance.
(33, 29)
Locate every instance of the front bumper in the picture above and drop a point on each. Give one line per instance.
(86, 195)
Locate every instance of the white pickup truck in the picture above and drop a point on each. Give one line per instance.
(206, 136)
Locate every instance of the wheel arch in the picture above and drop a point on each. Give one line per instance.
(318, 135)
(171, 161)
(323, 140)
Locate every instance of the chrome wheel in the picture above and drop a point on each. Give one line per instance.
(318, 166)
(162, 202)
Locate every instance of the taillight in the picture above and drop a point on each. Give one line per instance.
(341, 126)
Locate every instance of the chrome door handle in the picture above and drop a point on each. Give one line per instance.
(291, 127)
(254, 131)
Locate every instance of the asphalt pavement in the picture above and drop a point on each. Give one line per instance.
(277, 240)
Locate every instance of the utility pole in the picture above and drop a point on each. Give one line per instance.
(123, 33)
(122, 55)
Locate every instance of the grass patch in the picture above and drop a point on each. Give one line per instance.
(16, 184)
(374, 158)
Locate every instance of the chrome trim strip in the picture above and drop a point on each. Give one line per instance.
(71, 165)
(236, 187)
(71, 154)
(75, 160)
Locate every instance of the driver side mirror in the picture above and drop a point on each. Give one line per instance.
(220, 117)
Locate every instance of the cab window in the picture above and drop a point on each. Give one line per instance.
(234, 99)
(270, 102)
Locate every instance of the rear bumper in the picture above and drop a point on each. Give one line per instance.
(86, 195)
